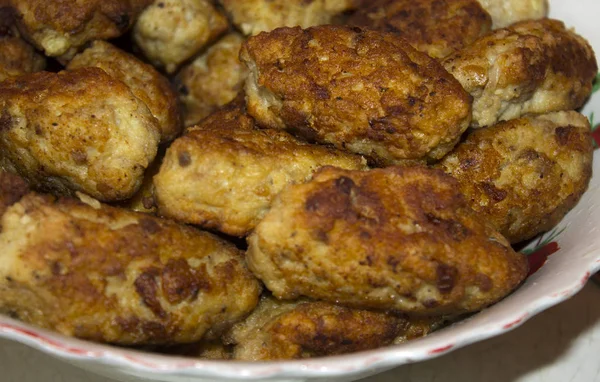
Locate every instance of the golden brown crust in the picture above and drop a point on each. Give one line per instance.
(213, 79)
(279, 330)
(77, 130)
(529, 67)
(435, 27)
(144, 81)
(366, 91)
(402, 238)
(224, 173)
(507, 12)
(61, 27)
(172, 31)
(525, 174)
(255, 16)
(109, 275)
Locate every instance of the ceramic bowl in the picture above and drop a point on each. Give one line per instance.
(567, 256)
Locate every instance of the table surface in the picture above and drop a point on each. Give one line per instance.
(559, 345)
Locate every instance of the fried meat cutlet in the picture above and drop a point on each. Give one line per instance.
(61, 27)
(79, 130)
(364, 91)
(279, 330)
(400, 238)
(530, 67)
(435, 27)
(224, 173)
(255, 16)
(110, 275)
(525, 174)
(144, 81)
(17, 57)
(212, 80)
(170, 32)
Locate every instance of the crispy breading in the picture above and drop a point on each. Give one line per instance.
(400, 238)
(507, 12)
(17, 57)
(255, 16)
(213, 79)
(171, 31)
(529, 67)
(224, 173)
(279, 330)
(110, 275)
(435, 27)
(79, 130)
(61, 27)
(365, 91)
(144, 81)
(525, 174)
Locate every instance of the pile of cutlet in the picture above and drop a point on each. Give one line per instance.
(280, 179)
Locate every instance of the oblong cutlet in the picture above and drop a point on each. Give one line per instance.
(364, 91)
(400, 238)
(110, 275)
(224, 173)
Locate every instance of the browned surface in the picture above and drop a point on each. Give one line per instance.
(402, 238)
(524, 175)
(436, 27)
(213, 79)
(76, 130)
(145, 83)
(172, 31)
(224, 173)
(366, 91)
(61, 27)
(17, 57)
(110, 275)
(530, 67)
(302, 329)
(255, 16)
